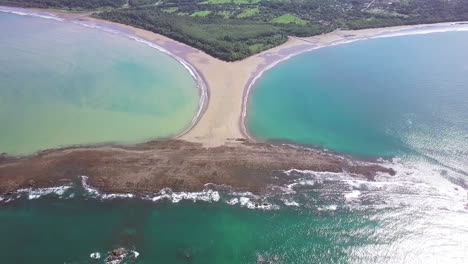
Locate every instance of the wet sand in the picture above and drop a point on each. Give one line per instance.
(225, 86)
(229, 83)
(216, 148)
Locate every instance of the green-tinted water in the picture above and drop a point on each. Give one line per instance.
(417, 216)
(64, 84)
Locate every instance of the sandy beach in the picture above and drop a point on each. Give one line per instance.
(215, 147)
(222, 117)
(225, 86)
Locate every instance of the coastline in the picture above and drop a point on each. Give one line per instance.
(216, 148)
(339, 38)
(179, 165)
(225, 86)
(119, 29)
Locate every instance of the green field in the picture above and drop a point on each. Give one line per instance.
(289, 18)
(170, 10)
(235, 29)
(203, 13)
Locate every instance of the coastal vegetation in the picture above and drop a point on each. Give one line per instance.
(235, 29)
(65, 4)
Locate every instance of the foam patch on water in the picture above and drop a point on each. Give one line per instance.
(87, 187)
(289, 202)
(417, 184)
(430, 185)
(36, 193)
(331, 207)
(104, 196)
(248, 203)
(243, 199)
(175, 197)
(95, 255)
(353, 195)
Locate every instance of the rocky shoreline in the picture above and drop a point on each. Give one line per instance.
(175, 164)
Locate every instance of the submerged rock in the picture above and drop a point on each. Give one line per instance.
(267, 259)
(116, 256)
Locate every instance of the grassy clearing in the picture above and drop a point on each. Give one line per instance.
(170, 10)
(203, 13)
(289, 18)
(248, 12)
(256, 48)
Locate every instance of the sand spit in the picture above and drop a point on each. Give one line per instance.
(216, 147)
(225, 86)
(175, 164)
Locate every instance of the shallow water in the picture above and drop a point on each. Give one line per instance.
(420, 215)
(63, 84)
(323, 218)
(381, 97)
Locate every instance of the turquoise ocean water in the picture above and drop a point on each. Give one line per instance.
(420, 215)
(381, 97)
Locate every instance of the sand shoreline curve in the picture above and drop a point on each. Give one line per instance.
(225, 86)
(117, 29)
(341, 37)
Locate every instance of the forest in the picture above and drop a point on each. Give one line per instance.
(65, 4)
(235, 29)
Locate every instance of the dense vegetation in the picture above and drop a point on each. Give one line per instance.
(65, 4)
(235, 29)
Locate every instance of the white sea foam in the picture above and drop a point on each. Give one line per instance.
(87, 187)
(104, 196)
(246, 202)
(331, 207)
(233, 201)
(135, 253)
(35, 193)
(95, 255)
(430, 185)
(289, 202)
(175, 197)
(117, 195)
(352, 195)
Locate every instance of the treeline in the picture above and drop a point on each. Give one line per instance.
(224, 34)
(228, 40)
(65, 4)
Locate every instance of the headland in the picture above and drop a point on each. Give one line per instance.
(216, 147)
